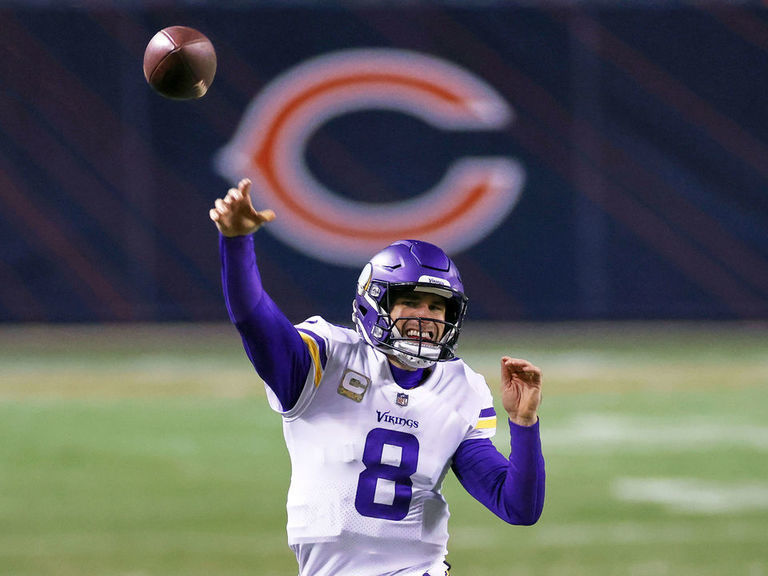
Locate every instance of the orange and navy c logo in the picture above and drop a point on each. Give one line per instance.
(472, 198)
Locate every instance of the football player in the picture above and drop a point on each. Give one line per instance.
(374, 417)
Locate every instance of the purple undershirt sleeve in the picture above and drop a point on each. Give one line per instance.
(271, 342)
(513, 488)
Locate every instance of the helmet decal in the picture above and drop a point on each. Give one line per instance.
(364, 281)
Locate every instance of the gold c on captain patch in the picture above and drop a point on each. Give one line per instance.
(353, 385)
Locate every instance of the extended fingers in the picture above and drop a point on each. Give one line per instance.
(238, 193)
(522, 368)
(233, 195)
(517, 363)
(221, 206)
(230, 201)
(234, 214)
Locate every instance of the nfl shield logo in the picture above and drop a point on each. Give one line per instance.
(402, 399)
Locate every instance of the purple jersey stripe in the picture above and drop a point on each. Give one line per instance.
(487, 412)
(320, 345)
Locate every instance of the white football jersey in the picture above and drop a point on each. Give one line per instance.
(369, 457)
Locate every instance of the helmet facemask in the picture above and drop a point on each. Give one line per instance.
(419, 351)
(424, 348)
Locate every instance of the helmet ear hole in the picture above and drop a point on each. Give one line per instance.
(363, 310)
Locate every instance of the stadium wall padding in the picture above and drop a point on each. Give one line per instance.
(640, 133)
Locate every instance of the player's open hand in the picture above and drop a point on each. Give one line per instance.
(234, 214)
(520, 390)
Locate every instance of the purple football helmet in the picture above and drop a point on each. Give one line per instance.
(404, 266)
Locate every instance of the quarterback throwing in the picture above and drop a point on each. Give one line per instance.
(375, 416)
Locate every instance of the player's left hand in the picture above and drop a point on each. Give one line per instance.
(520, 390)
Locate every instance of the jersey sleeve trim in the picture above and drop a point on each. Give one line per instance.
(316, 355)
(487, 419)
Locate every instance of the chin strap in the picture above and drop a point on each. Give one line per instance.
(410, 361)
(412, 354)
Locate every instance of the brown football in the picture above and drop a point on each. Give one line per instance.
(180, 63)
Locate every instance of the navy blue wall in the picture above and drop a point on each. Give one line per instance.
(642, 131)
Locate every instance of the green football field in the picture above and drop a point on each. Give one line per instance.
(148, 450)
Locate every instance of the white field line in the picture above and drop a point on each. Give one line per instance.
(612, 433)
(692, 495)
